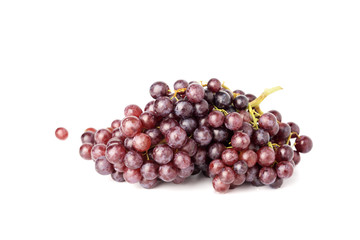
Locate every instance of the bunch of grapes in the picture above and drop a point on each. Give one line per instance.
(197, 128)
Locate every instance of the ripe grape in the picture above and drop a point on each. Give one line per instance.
(115, 153)
(103, 167)
(85, 151)
(176, 137)
(159, 89)
(303, 144)
(222, 99)
(216, 119)
(163, 154)
(61, 133)
(233, 121)
(267, 175)
(214, 85)
(130, 126)
(219, 186)
(266, 156)
(230, 156)
(284, 169)
(132, 110)
(195, 93)
(203, 136)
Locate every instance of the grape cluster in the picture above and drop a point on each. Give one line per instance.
(197, 128)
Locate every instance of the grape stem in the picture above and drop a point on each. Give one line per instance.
(254, 122)
(221, 110)
(180, 90)
(261, 98)
(288, 140)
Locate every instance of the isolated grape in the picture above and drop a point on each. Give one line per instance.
(61, 133)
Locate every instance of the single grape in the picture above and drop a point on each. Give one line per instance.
(214, 85)
(277, 184)
(209, 96)
(180, 84)
(240, 141)
(163, 106)
(239, 179)
(227, 175)
(148, 120)
(97, 151)
(230, 156)
(90, 130)
(163, 154)
(251, 97)
(284, 169)
(261, 137)
(203, 136)
(102, 136)
(176, 137)
(202, 122)
(88, 137)
(61, 133)
(132, 110)
(118, 176)
(148, 184)
(183, 109)
(219, 186)
(155, 136)
(233, 121)
(116, 123)
(130, 126)
(216, 119)
(189, 125)
(215, 150)
(132, 175)
(267, 175)
(200, 157)
(266, 156)
(85, 151)
(115, 153)
(167, 172)
(149, 107)
(201, 108)
(240, 167)
(284, 153)
(276, 114)
(182, 160)
(149, 170)
(103, 167)
(220, 134)
(249, 156)
(133, 160)
(190, 147)
(239, 92)
(267, 121)
(195, 93)
(303, 144)
(241, 102)
(222, 99)
(159, 89)
(141, 142)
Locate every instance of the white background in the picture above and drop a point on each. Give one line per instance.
(77, 64)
